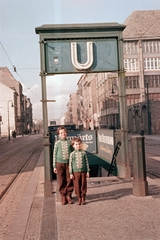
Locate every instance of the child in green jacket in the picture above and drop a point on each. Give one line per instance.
(79, 170)
(61, 153)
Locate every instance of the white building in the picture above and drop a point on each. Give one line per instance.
(7, 110)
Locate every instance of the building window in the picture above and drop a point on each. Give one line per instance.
(151, 46)
(151, 63)
(130, 47)
(131, 64)
(132, 81)
(152, 80)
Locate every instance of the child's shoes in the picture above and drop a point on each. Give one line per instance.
(79, 201)
(83, 200)
(64, 202)
(69, 199)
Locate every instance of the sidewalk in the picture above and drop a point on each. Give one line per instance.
(6, 140)
(111, 212)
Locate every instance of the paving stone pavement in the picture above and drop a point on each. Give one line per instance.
(111, 212)
(29, 208)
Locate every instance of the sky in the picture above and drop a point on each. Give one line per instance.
(19, 44)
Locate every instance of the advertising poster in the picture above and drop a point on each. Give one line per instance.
(105, 141)
(88, 139)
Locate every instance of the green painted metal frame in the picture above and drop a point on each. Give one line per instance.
(81, 31)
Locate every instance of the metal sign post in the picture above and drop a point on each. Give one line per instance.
(46, 143)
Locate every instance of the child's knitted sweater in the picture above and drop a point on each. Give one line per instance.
(78, 162)
(62, 150)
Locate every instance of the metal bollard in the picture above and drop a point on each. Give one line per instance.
(140, 184)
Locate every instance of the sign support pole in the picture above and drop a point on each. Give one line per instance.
(123, 114)
(46, 142)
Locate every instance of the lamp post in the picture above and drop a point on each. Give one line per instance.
(91, 106)
(9, 118)
(113, 91)
(148, 109)
(0, 130)
(0, 123)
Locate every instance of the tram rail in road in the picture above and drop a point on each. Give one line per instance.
(16, 161)
(152, 144)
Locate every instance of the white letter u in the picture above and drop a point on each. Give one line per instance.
(74, 59)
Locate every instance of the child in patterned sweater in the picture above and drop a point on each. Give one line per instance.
(79, 170)
(61, 153)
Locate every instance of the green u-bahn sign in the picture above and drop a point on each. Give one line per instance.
(76, 56)
(80, 48)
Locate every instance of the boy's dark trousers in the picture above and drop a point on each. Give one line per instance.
(64, 181)
(80, 183)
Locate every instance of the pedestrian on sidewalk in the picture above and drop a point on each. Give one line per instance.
(61, 153)
(142, 129)
(79, 170)
(14, 134)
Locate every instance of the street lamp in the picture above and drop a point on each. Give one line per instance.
(112, 92)
(148, 109)
(91, 106)
(0, 129)
(0, 123)
(9, 119)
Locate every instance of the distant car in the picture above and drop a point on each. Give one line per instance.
(103, 126)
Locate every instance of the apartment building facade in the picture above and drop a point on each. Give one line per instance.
(142, 65)
(14, 105)
(100, 91)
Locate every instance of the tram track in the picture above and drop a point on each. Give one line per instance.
(20, 162)
(6, 155)
(15, 152)
(16, 167)
(5, 158)
(150, 173)
(152, 163)
(153, 167)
